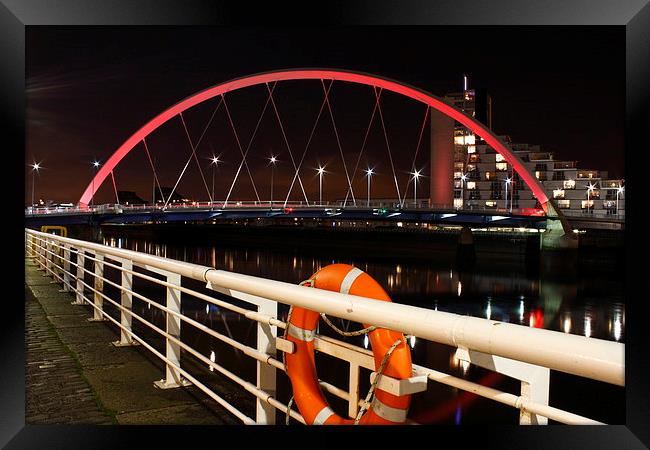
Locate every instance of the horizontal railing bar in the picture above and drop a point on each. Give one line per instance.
(514, 401)
(588, 357)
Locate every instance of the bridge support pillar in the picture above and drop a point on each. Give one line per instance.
(556, 238)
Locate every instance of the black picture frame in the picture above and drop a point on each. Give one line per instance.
(15, 15)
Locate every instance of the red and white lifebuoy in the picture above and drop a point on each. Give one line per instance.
(386, 408)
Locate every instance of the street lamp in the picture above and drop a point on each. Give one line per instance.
(96, 165)
(215, 162)
(589, 189)
(35, 168)
(508, 181)
(273, 160)
(416, 176)
(618, 191)
(321, 171)
(463, 178)
(369, 174)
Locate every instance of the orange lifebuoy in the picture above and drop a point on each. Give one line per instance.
(386, 408)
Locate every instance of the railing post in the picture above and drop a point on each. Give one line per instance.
(173, 378)
(534, 379)
(353, 389)
(40, 252)
(266, 374)
(81, 261)
(536, 390)
(126, 300)
(98, 300)
(66, 268)
(49, 258)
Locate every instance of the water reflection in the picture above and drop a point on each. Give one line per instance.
(508, 295)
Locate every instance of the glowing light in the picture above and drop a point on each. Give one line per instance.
(96, 164)
(587, 326)
(321, 170)
(617, 327)
(463, 177)
(365, 341)
(207, 309)
(488, 310)
(36, 166)
(566, 326)
(369, 172)
(460, 288)
(521, 310)
(412, 341)
(273, 159)
(416, 174)
(215, 160)
(213, 359)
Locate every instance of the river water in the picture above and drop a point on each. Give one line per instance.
(586, 301)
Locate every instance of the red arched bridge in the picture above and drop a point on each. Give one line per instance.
(326, 77)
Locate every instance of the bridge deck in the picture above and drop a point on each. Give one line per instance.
(74, 375)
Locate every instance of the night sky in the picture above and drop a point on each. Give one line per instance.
(90, 88)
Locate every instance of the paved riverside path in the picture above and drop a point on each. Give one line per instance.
(74, 375)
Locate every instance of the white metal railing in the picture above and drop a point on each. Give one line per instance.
(526, 354)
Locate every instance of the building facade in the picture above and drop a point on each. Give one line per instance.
(482, 179)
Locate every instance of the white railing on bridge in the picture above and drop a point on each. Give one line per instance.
(523, 353)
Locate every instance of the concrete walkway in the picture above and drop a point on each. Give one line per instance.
(74, 375)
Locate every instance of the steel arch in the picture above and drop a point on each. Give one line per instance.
(331, 74)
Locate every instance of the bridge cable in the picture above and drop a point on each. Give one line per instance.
(232, 125)
(363, 146)
(117, 199)
(187, 133)
(390, 155)
(250, 142)
(190, 158)
(287, 143)
(417, 149)
(308, 142)
(155, 176)
(338, 142)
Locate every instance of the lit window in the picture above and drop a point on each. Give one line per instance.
(587, 204)
(490, 204)
(470, 140)
(458, 174)
(500, 157)
(564, 204)
(558, 193)
(471, 185)
(459, 140)
(458, 203)
(502, 166)
(471, 149)
(569, 184)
